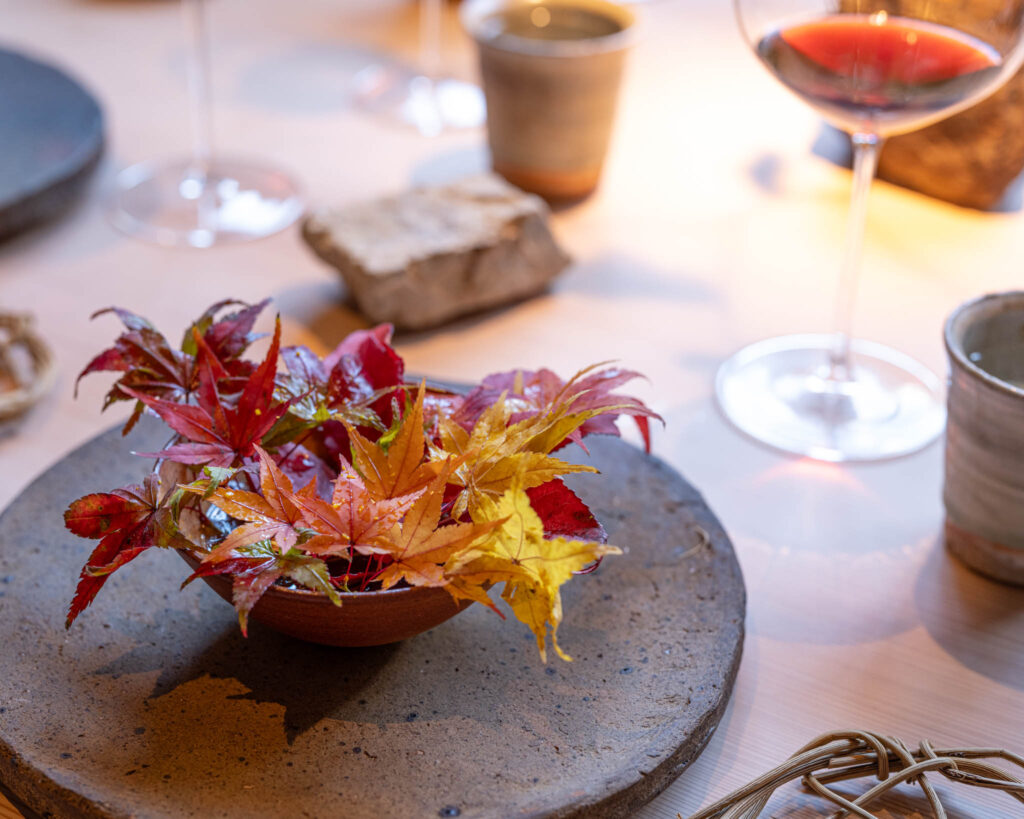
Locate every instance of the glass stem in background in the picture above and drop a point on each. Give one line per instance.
(431, 15)
(866, 148)
(198, 57)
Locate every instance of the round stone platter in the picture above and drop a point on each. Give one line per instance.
(154, 705)
(51, 130)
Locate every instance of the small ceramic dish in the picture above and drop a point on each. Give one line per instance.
(363, 618)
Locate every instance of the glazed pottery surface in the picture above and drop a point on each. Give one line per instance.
(984, 469)
(551, 102)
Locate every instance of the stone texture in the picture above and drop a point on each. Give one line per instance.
(432, 254)
(153, 705)
(969, 159)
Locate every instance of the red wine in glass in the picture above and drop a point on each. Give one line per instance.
(877, 73)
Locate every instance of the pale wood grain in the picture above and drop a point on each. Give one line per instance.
(714, 226)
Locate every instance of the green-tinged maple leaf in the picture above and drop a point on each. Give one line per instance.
(419, 547)
(397, 468)
(229, 336)
(496, 453)
(150, 364)
(354, 520)
(126, 521)
(152, 367)
(533, 568)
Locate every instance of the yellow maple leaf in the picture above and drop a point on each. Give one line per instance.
(496, 453)
(532, 567)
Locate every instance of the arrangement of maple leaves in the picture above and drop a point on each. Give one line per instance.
(336, 475)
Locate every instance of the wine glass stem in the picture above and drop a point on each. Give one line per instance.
(198, 47)
(865, 160)
(431, 12)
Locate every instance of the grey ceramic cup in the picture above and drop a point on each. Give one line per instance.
(984, 482)
(550, 102)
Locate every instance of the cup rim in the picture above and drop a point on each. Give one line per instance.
(472, 13)
(956, 326)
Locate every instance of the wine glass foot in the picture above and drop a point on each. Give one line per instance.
(173, 203)
(781, 392)
(431, 106)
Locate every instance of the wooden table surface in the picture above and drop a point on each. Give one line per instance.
(716, 225)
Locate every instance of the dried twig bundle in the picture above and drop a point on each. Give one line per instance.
(26, 365)
(845, 755)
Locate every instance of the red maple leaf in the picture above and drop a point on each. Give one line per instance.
(357, 384)
(214, 432)
(564, 514)
(153, 367)
(126, 521)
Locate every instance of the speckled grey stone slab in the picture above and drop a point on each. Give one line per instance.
(153, 705)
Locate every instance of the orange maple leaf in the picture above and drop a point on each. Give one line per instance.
(354, 519)
(272, 516)
(397, 468)
(420, 548)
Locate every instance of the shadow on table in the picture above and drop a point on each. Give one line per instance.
(326, 310)
(977, 621)
(310, 682)
(617, 275)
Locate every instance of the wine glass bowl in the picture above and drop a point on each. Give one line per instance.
(872, 68)
(885, 73)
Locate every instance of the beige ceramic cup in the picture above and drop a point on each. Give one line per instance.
(551, 72)
(984, 482)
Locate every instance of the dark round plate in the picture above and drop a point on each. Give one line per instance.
(51, 133)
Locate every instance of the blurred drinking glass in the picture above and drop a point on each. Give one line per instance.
(203, 199)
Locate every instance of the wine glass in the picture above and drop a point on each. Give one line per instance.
(873, 68)
(204, 199)
(427, 100)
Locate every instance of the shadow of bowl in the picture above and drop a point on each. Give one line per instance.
(363, 618)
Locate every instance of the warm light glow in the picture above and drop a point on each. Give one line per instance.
(812, 470)
(879, 18)
(540, 17)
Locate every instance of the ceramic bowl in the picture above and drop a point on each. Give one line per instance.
(984, 472)
(362, 619)
(551, 98)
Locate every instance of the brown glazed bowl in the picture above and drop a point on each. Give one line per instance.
(362, 619)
